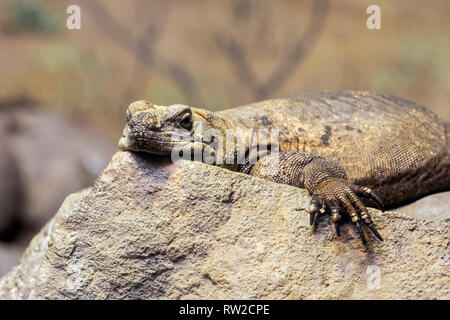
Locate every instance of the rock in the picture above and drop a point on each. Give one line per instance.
(435, 207)
(54, 156)
(9, 256)
(148, 229)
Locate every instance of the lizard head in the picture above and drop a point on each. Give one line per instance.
(160, 129)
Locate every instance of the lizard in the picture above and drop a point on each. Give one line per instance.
(348, 149)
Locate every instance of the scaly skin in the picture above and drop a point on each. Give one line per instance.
(339, 145)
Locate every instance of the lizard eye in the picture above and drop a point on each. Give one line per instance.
(186, 121)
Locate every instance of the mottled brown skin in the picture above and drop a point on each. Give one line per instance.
(339, 145)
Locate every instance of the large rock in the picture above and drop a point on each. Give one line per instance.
(9, 256)
(150, 229)
(434, 207)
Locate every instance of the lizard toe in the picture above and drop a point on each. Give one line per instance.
(368, 193)
(316, 205)
(341, 196)
(336, 216)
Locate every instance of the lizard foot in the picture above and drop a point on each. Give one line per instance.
(337, 196)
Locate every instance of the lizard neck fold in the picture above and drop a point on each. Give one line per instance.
(228, 137)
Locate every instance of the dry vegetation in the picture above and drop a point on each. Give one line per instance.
(219, 54)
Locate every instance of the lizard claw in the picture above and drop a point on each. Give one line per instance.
(335, 216)
(377, 200)
(369, 193)
(375, 231)
(311, 218)
(316, 205)
(360, 232)
(339, 195)
(338, 229)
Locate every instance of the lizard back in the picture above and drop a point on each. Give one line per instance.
(393, 145)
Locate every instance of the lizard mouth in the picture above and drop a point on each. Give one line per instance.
(161, 143)
(166, 144)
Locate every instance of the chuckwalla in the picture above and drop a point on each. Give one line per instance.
(349, 149)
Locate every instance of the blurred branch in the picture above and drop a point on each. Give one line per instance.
(242, 67)
(151, 34)
(295, 56)
(13, 102)
(145, 52)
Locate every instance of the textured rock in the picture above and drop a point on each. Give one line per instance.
(434, 207)
(150, 229)
(9, 256)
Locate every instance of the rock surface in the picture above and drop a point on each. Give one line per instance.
(434, 207)
(9, 256)
(149, 229)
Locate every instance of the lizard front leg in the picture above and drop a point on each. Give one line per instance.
(327, 183)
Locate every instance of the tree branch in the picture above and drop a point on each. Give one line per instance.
(242, 68)
(145, 53)
(301, 49)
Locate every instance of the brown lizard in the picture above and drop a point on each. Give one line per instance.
(349, 149)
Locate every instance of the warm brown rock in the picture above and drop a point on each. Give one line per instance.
(148, 229)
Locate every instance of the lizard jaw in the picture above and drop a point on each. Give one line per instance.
(142, 143)
(151, 142)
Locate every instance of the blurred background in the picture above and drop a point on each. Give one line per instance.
(63, 93)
